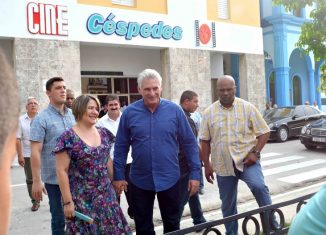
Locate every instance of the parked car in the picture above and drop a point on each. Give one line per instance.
(285, 122)
(314, 134)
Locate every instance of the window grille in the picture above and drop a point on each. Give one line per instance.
(223, 9)
(129, 3)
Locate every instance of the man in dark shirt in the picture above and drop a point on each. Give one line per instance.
(189, 104)
(154, 128)
(70, 98)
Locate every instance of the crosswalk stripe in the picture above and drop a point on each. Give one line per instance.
(266, 155)
(297, 178)
(280, 160)
(290, 167)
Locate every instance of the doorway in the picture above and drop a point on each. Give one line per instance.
(296, 87)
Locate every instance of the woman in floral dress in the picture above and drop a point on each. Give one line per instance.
(83, 169)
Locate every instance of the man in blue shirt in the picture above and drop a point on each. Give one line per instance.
(46, 127)
(154, 128)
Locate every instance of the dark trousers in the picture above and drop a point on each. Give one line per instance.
(143, 204)
(128, 192)
(201, 182)
(193, 201)
(29, 179)
(57, 216)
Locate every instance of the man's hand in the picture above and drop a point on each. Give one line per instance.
(250, 159)
(21, 161)
(37, 190)
(209, 172)
(120, 186)
(193, 187)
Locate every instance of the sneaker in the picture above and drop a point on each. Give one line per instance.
(201, 191)
(35, 207)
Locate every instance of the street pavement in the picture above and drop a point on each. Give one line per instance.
(280, 161)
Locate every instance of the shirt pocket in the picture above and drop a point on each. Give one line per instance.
(217, 127)
(239, 126)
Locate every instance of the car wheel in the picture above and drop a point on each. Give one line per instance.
(310, 146)
(282, 134)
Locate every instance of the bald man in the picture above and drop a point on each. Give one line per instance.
(70, 98)
(234, 132)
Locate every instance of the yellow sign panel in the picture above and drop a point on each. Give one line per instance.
(157, 6)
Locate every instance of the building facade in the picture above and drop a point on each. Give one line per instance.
(292, 77)
(99, 47)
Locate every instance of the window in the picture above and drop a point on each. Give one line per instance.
(223, 9)
(129, 3)
(101, 86)
(299, 112)
(296, 86)
(323, 101)
(310, 111)
(97, 85)
(120, 85)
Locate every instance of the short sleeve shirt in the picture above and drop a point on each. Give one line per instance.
(46, 128)
(23, 134)
(232, 133)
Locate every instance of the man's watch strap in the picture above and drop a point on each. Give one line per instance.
(256, 152)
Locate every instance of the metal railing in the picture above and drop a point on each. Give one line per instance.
(265, 224)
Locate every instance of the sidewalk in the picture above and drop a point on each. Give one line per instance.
(246, 202)
(23, 221)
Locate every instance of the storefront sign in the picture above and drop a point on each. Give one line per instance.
(47, 19)
(97, 24)
(205, 34)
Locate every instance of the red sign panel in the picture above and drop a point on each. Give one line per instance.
(47, 19)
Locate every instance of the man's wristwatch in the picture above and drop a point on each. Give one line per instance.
(257, 153)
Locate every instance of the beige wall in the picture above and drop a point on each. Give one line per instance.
(38, 60)
(185, 69)
(244, 12)
(252, 79)
(155, 6)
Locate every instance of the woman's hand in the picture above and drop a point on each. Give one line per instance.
(69, 210)
(120, 186)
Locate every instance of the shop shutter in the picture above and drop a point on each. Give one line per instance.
(129, 3)
(223, 9)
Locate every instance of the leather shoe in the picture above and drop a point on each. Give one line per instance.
(35, 207)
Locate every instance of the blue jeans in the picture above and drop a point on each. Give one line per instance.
(57, 215)
(194, 202)
(228, 188)
(143, 205)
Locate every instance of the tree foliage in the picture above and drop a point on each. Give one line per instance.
(313, 32)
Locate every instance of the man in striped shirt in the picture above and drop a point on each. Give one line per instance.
(233, 132)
